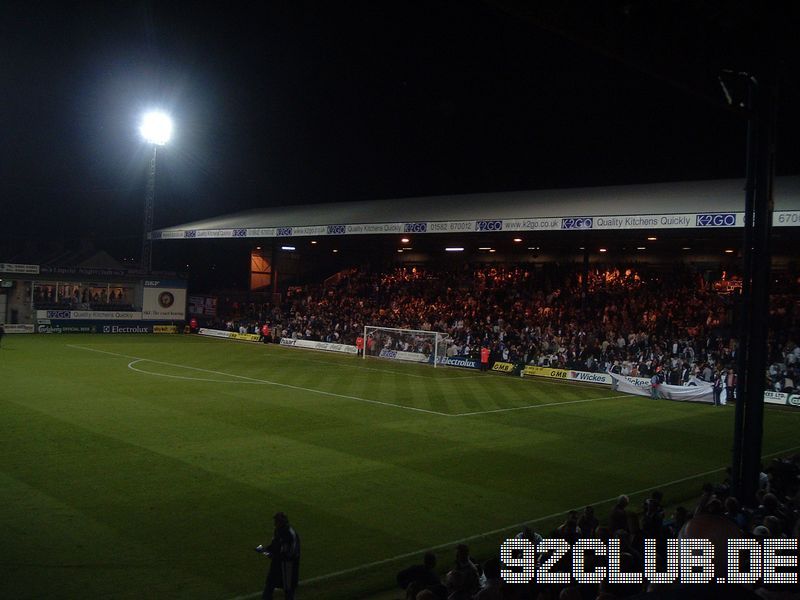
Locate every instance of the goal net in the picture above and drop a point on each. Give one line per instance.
(410, 345)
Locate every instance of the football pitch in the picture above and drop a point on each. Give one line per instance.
(150, 466)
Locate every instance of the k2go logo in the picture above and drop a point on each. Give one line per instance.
(716, 220)
(284, 231)
(415, 228)
(488, 225)
(577, 223)
(336, 229)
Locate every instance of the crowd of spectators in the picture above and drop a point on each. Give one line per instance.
(717, 516)
(634, 321)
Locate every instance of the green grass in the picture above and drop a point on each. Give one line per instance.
(131, 478)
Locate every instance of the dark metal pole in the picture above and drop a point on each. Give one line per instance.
(149, 204)
(747, 271)
(751, 418)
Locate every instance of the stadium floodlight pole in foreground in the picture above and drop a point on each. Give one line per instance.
(760, 110)
(156, 129)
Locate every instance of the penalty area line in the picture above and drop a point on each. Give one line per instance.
(532, 406)
(263, 381)
(132, 367)
(280, 348)
(470, 538)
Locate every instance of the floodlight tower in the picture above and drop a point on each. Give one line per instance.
(156, 129)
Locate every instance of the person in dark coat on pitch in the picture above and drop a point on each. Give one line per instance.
(284, 551)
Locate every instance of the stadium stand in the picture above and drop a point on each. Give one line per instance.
(632, 320)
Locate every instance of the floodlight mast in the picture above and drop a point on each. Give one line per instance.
(149, 204)
(156, 129)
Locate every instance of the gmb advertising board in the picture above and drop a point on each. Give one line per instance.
(164, 300)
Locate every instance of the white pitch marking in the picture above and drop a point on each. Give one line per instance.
(531, 406)
(295, 387)
(536, 380)
(132, 368)
(500, 530)
(321, 362)
(265, 381)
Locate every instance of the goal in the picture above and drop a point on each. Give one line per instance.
(411, 345)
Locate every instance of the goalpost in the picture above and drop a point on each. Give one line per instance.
(413, 345)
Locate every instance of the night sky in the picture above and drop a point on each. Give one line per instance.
(299, 102)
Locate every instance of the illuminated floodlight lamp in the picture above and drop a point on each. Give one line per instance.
(156, 128)
(641, 248)
(404, 240)
(652, 238)
(603, 250)
(517, 240)
(290, 248)
(454, 249)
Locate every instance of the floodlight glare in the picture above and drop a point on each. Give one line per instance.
(156, 128)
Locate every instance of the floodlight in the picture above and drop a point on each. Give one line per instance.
(156, 128)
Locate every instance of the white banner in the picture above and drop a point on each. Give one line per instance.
(786, 218)
(230, 335)
(87, 315)
(18, 328)
(775, 397)
(163, 300)
(400, 355)
(586, 377)
(642, 387)
(312, 345)
(215, 332)
(782, 398)
(717, 220)
(16, 268)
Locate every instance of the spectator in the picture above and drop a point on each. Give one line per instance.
(588, 522)
(493, 588)
(467, 569)
(424, 574)
(619, 519)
